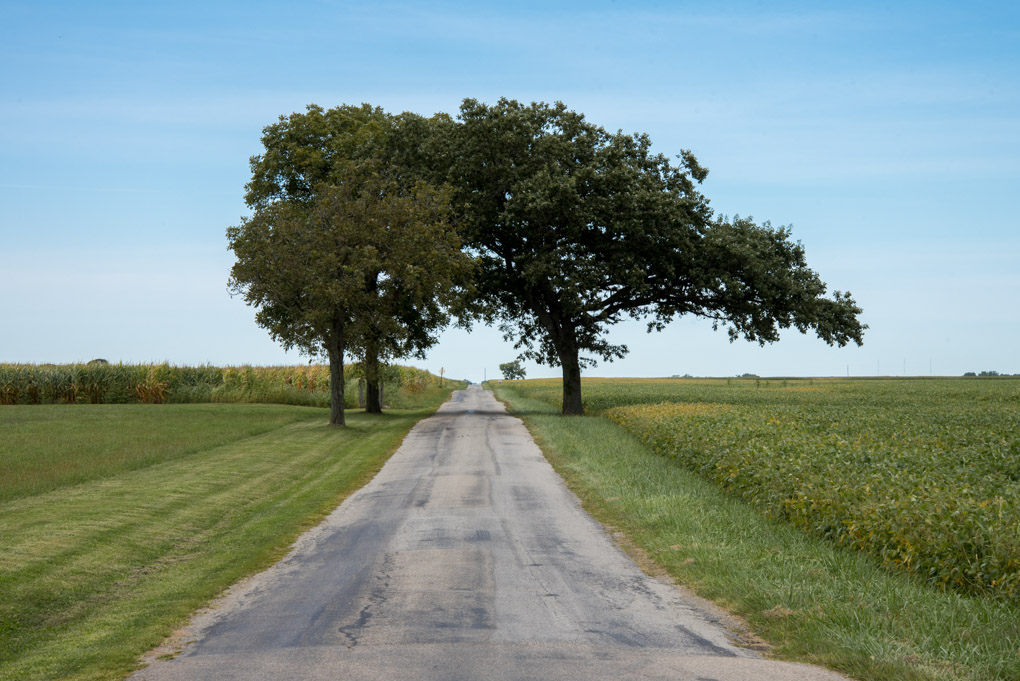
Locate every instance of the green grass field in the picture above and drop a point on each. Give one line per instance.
(117, 522)
(50, 446)
(814, 599)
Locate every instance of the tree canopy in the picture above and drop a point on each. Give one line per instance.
(513, 370)
(571, 229)
(343, 253)
(576, 228)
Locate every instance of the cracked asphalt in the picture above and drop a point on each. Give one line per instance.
(465, 558)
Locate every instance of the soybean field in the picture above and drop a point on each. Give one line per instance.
(923, 474)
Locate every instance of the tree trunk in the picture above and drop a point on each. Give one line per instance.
(335, 350)
(373, 405)
(571, 382)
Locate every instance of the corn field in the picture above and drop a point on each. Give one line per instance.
(100, 383)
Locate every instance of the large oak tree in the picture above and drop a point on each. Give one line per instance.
(344, 252)
(576, 228)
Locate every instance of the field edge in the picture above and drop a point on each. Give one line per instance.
(866, 649)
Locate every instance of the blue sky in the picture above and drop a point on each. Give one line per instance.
(886, 134)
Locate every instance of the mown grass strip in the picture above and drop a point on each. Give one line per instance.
(95, 574)
(45, 447)
(814, 602)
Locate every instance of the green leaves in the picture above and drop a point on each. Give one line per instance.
(512, 371)
(754, 279)
(347, 248)
(577, 228)
(304, 150)
(571, 229)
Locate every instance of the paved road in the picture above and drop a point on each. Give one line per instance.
(464, 559)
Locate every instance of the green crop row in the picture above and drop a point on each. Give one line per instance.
(923, 474)
(941, 393)
(100, 383)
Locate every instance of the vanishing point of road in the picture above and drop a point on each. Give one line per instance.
(465, 559)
